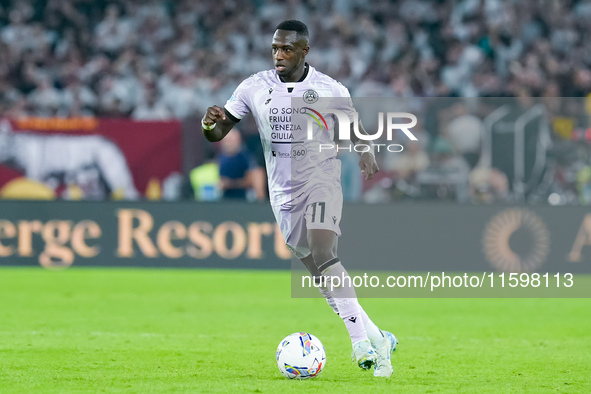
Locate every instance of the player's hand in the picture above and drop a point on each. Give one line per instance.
(213, 115)
(368, 165)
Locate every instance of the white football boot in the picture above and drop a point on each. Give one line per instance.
(384, 349)
(364, 354)
(393, 340)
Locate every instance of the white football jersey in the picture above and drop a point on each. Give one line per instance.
(294, 162)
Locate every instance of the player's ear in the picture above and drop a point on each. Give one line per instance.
(306, 49)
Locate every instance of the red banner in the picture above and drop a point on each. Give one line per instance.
(87, 158)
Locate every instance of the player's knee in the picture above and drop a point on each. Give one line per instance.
(322, 252)
(325, 261)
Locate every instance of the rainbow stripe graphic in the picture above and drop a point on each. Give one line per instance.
(304, 372)
(315, 118)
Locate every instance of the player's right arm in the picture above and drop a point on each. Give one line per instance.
(216, 124)
(226, 118)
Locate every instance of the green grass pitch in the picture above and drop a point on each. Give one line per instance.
(153, 331)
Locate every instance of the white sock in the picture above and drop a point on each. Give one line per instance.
(324, 291)
(373, 332)
(345, 299)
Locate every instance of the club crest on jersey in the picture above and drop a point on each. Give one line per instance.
(310, 96)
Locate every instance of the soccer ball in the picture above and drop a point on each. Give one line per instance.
(300, 356)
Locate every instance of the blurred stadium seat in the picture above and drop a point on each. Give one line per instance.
(158, 60)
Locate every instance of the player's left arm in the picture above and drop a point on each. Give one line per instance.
(367, 158)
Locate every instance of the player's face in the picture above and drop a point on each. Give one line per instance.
(289, 54)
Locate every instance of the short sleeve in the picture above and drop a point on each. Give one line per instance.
(238, 104)
(344, 101)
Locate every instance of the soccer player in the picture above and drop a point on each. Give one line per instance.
(304, 179)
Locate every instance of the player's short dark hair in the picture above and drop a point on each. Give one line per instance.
(292, 25)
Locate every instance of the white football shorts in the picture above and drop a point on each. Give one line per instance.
(319, 207)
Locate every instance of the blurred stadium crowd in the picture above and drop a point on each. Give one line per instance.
(157, 60)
